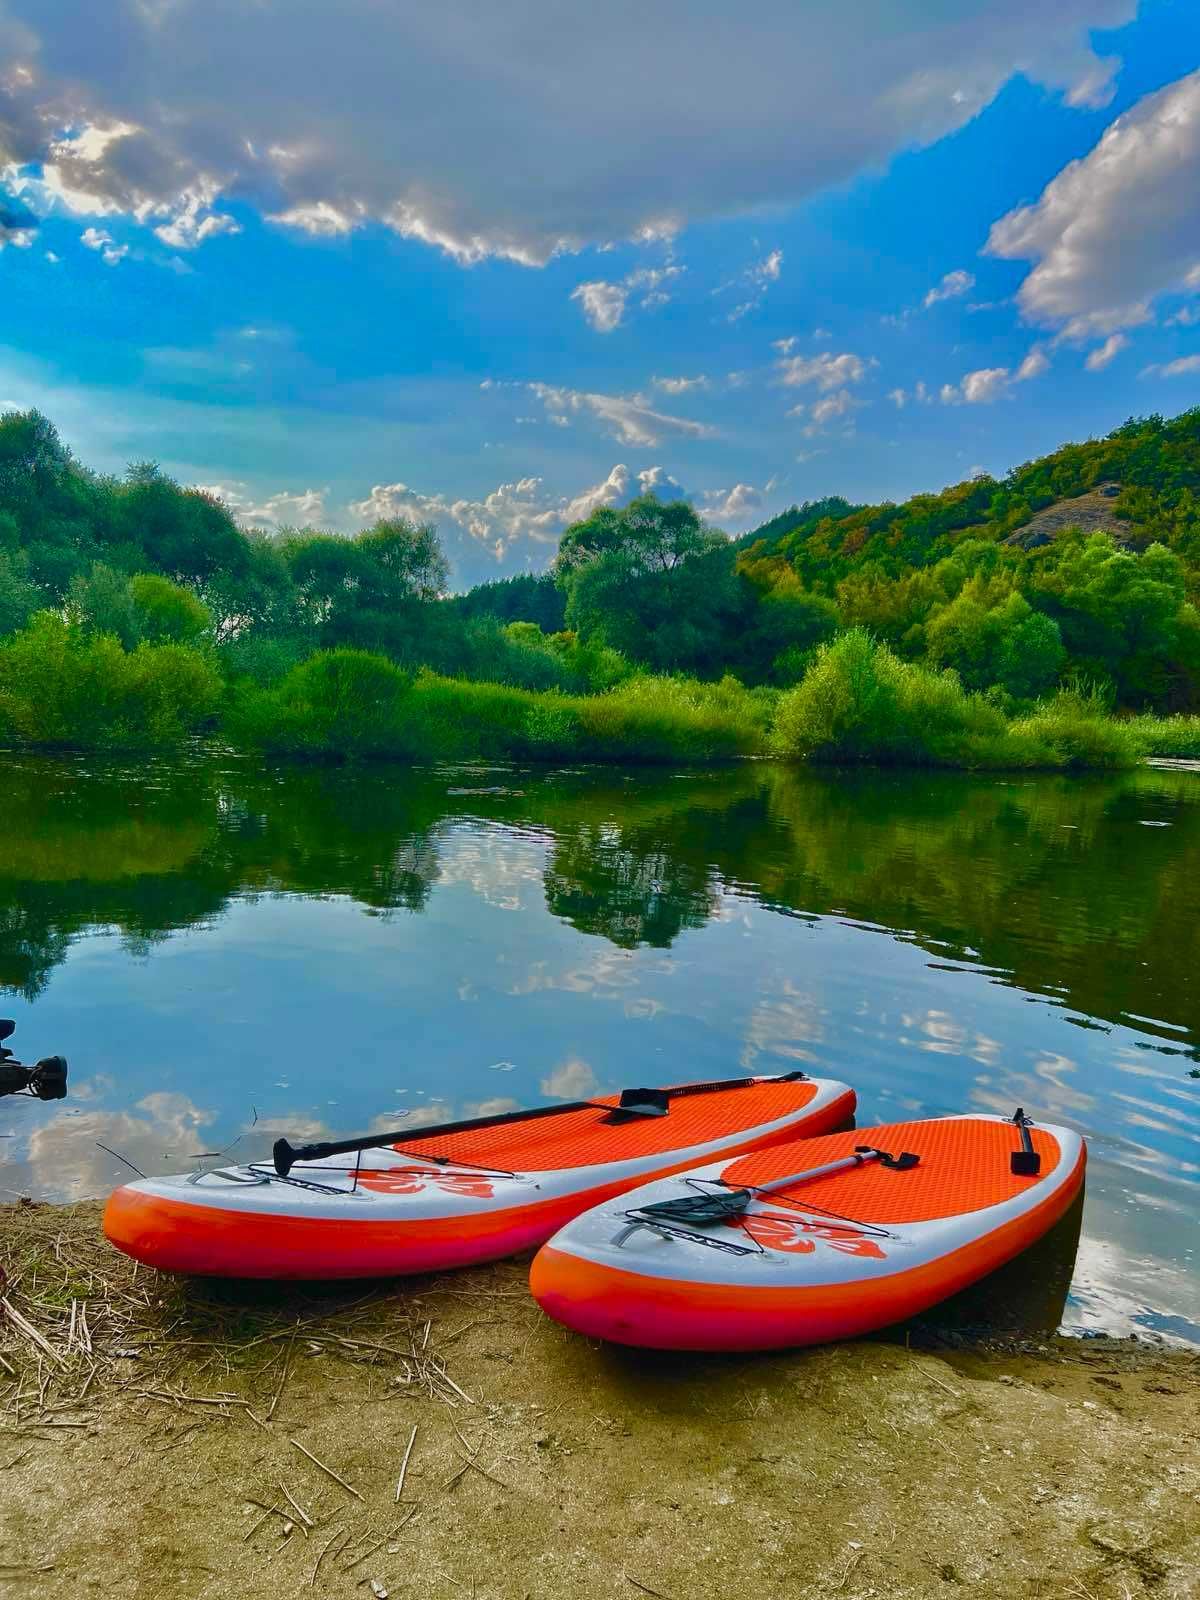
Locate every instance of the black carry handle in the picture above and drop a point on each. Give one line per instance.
(630, 1103)
(1025, 1162)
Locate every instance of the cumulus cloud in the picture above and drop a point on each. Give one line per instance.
(522, 512)
(491, 130)
(628, 418)
(952, 286)
(988, 384)
(604, 304)
(1118, 228)
(738, 504)
(285, 509)
(110, 253)
(825, 371)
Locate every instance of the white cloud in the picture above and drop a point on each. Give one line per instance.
(19, 238)
(899, 398)
(604, 304)
(491, 130)
(110, 253)
(194, 222)
(628, 418)
(1179, 368)
(1033, 366)
(988, 384)
(1119, 227)
(284, 509)
(760, 276)
(522, 512)
(830, 408)
(1108, 351)
(951, 287)
(826, 371)
(682, 385)
(738, 504)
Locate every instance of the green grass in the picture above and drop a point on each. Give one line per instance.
(1167, 736)
(344, 704)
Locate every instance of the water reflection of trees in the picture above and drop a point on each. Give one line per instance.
(1052, 883)
(93, 848)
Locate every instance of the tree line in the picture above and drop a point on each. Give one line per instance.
(133, 599)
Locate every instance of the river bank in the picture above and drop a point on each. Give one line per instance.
(165, 1439)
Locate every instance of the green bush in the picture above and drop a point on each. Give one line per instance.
(859, 702)
(167, 613)
(60, 686)
(674, 719)
(1080, 733)
(336, 704)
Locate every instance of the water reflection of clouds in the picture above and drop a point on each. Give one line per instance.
(502, 868)
(783, 1027)
(943, 1036)
(1121, 1294)
(1157, 1118)
(607, 970)
(572, 1079)
(163, 1132)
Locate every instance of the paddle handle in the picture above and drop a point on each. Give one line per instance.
(830, 1167)
(864, 1153)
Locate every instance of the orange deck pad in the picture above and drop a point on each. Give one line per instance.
(585, 1138)
(964, 1166)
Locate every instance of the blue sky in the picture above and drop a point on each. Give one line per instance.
(492, 266)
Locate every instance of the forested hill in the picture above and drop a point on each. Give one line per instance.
(1083, 567)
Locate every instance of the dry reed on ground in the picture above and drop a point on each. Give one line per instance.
(82, 1325)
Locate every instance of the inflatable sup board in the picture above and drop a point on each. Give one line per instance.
(450, 1196)
(810, 1241)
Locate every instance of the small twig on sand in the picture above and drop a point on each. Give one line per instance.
(305, 1519)
(312, 1582)
(336, 1476)
(412, 1439)
(645, 1588)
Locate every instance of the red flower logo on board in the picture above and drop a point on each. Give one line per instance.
(799, 1236)
(410, 1180)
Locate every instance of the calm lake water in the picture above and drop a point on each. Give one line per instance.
(227, 952)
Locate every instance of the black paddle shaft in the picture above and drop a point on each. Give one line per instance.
(631, 1103)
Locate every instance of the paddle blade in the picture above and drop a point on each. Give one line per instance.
(699, 1207)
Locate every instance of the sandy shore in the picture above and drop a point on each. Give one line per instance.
(159, 1439)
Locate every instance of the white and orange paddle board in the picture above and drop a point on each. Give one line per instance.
(446, 1199)
(821, 1258)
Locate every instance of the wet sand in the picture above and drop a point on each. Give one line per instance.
(160, 1439)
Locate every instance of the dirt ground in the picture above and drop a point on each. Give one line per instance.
(442, 1438)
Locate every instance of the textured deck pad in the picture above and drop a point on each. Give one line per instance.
(588, 1138)
(964, 1167)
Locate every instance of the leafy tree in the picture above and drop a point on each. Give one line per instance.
(650, 581)
(165, 612)
(100, 602)
(19, 598)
